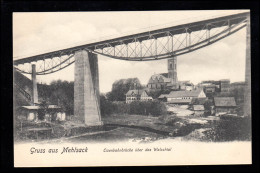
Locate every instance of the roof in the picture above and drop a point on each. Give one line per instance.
(224, 101)
(210, 86)
(135, 92)
(224, 80)
(157, 76)
(179, 101)
(177, 94)
(38, 107)
(198, 107)
(163, 76)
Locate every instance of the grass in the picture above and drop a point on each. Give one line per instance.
(187, 127)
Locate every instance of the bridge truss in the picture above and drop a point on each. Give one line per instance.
(153, 45)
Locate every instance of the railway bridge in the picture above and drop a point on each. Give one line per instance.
(162, 43)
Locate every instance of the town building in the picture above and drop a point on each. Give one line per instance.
(137, 95)
(169, 80)
(224, 105)
(159, 82)
(224, 85)
(182, 97)
(211, 86)
(165, 80)
(198, 110)
(185, 85)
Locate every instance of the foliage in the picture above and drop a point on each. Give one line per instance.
(154, 108)
(106, 106)
(156, 93)
(121, 108)
(121, 87)
(173, 121)
(230, 128)
(60, 93)
(43, 110)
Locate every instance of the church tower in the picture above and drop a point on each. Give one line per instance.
(172, 70)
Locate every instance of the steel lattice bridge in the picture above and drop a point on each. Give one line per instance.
(146, 46)
(157, 44)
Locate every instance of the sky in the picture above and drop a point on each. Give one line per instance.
(35, 33)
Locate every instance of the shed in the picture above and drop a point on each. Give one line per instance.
(198, 109)
(224, 105)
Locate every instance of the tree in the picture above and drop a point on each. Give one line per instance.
(121, 87)
(106, 107)
(156, 93)
(43, 108)
(60, 93)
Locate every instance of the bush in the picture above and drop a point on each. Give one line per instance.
(173, 120)
(106, 107)
(154, 108)
(157, 108)
(121, 108)
(230, 128)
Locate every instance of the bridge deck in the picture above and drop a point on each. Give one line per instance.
(157, 33)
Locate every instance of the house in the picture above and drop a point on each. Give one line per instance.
(198, 109)
(224, 85)
(182, 97)
(224, 105)
(137, 95)
(185, 85)
(159, 81)
(210, 88)
(30, 113)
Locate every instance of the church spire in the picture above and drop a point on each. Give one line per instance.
(172, 69)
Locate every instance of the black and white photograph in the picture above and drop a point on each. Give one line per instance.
(132, 88)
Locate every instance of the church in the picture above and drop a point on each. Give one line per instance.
(165, 80)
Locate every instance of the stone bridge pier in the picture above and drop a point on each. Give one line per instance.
(247, 93)
(86, 89)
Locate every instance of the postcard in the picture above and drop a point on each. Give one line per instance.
(132, 88)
